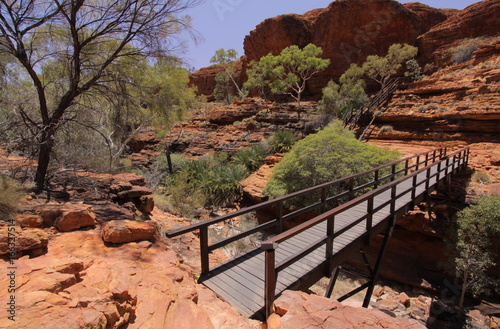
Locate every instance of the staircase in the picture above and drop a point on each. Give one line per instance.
(366, 114)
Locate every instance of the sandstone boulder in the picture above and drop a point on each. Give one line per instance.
(130, 179)
(128, 231)
(301, 310)
(27, 220)
(31, 241)
(73, 218)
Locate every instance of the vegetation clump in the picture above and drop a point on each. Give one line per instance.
(478, 226)
(10, 193)
(330, 154)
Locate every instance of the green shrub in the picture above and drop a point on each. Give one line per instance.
(282, 141)
(209, 181)
(251, 158)
(221, 184)
(10, 193)
(330, 154)
(386, 129)
(477, 225)
(481, 177)
(465, 50)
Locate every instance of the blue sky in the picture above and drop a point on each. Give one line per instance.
(224, 23)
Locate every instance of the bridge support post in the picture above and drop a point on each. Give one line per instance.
(376, 269)
(333, 280)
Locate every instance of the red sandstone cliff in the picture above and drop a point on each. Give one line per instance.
(479, 19)
(347, 31)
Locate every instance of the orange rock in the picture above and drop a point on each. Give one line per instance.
(128, 231)
(73, 219)
(29, 220)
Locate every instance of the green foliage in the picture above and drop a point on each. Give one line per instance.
(226, 79)
(288, 72)
(80, 59)
(211, 181)
(414, 71)
(223, 90)
(10, 194)
(465, 50)
(332, 153)
(251, 158)
(341, 99)
(381, 69)
(477, 225)
(282, 141)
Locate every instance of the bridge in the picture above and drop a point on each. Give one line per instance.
(345, 216)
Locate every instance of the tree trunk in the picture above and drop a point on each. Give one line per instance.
(46, 145)
(169, 160)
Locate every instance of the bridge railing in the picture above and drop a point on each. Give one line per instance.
(435, 171)
(348, 186)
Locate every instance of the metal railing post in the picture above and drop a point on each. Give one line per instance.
(375, 180)
(393, 172)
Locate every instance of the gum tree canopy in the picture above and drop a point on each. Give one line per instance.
(87, 41)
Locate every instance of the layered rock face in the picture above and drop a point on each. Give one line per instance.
(459, 103)
(479, 19)
(347, 31)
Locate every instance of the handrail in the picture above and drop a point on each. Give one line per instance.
(422, 158)
(460, 159)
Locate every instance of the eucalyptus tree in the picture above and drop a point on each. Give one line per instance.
(70, 50)
(288, 72)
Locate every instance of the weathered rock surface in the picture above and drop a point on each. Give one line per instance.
(128, 231)
(254, 184)
(300, 310)
(477, 20)
(459, 103)
(81, 283)
(26, 220)
(66, 217)
(231, 127)
(73, 219)
(31, 241)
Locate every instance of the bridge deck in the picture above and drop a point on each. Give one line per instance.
(241, 281)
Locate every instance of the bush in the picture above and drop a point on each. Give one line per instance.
(386, 129)
(10, 193)
(477, 225)
(208, 181)
(251, 158)
(282, 141)
(465, 50)
(330, 154)
(221, 184)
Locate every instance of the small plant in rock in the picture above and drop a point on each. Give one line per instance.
(481, 177)
(386, 129)
(251, 158)
(282, 141)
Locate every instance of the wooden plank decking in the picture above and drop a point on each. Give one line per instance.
(241, 282)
